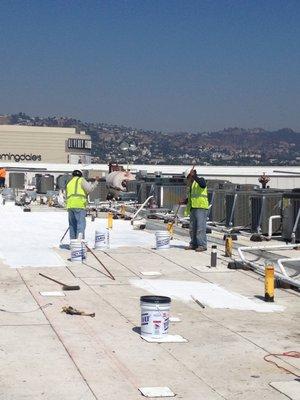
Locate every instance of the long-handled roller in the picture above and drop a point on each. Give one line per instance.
(102, 265)
(64, 235)
(64, 286)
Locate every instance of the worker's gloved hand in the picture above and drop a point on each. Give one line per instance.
(193, 173)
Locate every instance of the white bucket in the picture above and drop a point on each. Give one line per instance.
(162, 240)
(155, 313)
(100, 239)
(78, 251)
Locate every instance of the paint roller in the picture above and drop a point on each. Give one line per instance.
(64, 286)
(171, 224)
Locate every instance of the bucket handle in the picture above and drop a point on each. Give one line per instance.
(157, 309)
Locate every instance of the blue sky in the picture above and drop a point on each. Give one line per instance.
(166, 65)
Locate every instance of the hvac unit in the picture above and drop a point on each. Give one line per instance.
(238, 209)
(8, 194)
(246, 187)
(219, 184)
(127, 196)
(16, 180)
(141, 174)
(169, 195)
(263, 206)
(290, 209)
(44, 183)
(100, 192)
(62, 180)
(217, 211)
(146, 189)
(132, 186)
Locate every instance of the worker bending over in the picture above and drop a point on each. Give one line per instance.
(77, 191)
(197, 208)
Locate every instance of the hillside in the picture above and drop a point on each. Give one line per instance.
(231, 146)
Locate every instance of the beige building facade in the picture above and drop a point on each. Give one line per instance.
(35, 144)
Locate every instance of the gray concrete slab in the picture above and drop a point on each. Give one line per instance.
(35, 365)
(105, 358)
(107, 347)
(19, 308)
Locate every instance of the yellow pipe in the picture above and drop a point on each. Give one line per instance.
(170, 229)
(269, 283)
(228, 246)
(109, 220)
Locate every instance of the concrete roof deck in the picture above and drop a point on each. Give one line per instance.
(46, 354)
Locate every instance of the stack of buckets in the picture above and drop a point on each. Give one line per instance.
(155, 315)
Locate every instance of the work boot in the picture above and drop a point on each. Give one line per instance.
(200, 249)
(190, 248)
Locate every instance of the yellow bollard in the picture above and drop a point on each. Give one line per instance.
(170, 229)
(269, 283)
(228, 246)
(122, 210)
(109, 220)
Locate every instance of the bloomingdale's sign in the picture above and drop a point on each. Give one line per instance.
(20, 157)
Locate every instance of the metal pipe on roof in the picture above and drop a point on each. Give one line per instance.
(270, 229)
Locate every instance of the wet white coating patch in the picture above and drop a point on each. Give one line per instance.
(29, 239)
(209, 294)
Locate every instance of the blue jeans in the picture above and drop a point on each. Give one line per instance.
(198, 218)
(77, 222)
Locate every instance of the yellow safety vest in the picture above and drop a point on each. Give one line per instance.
(76, 196)
(197, 198)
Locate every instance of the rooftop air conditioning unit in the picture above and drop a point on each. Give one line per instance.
(16, 180)
(263, 206)
(238, 209)
(217, 199)
(290, 209)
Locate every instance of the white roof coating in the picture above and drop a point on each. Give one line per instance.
(29, 239)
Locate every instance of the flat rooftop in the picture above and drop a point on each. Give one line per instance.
(47, 354)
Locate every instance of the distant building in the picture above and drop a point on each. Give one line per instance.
(36, 144)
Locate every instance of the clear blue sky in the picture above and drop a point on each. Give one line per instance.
(155, 64)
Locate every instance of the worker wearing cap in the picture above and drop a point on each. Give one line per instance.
(77, 191)
(2, 177)
(197, 206)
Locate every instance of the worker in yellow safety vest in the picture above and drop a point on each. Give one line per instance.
(197, 208)
(77, 191)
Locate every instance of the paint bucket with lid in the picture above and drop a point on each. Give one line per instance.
(78, 251)
(100, 239)
(155, 313)
(162, 240)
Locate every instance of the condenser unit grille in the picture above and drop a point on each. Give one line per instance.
(168, 195)
(218, 207)
(264, 210)
(241, 214)
(290, 208)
